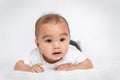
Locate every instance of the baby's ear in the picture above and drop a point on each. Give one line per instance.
(36, 42)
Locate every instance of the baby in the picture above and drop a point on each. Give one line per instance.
(53, 50)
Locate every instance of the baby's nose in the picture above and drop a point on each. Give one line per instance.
(56, 45)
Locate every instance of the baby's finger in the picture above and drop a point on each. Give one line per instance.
(37, 69)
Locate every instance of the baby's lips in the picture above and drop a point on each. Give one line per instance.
(57, 53)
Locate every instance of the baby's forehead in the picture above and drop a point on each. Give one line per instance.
(60, 25)
(54, 27)
(53, 23)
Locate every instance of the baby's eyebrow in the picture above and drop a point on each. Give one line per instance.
(62, 34)
(46, 36)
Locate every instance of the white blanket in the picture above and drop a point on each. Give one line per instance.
(100, 72)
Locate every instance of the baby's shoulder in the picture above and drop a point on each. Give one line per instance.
(72, 48)
(35, 51)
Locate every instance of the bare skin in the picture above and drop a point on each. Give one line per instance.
(63, 67)
(67, 67)
(23, 67)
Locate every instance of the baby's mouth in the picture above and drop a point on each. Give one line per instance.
(56, 53)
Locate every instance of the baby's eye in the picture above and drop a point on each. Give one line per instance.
(48, 40)
(62, 39)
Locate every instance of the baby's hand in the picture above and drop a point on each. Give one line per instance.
(65, 67)
(36, 68)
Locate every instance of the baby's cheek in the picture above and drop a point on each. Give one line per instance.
(65, 49)
(47, 48)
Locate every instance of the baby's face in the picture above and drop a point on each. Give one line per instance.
(53, 40)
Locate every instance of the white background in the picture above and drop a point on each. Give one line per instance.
(95, 23)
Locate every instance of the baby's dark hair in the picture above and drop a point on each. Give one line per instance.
(49, 18)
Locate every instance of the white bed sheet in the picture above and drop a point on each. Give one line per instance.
(100, 72)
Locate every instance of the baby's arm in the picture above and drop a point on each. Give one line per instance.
(83, 65)
(23, 67)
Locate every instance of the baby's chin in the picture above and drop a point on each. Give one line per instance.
(56, 60)
(57, 57)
